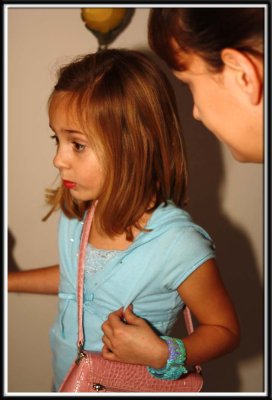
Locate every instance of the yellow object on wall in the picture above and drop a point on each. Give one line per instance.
(106, 23)
(103, 19)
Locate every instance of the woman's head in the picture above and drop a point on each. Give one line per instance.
(205, 32)
(218, 53)
(126, 108)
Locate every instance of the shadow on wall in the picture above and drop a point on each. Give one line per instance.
(12, 264)
(234, 252)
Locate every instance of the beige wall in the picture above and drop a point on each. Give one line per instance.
(226, 198)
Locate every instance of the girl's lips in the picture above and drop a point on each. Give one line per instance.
(69, 184)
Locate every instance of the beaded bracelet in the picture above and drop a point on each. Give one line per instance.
(175, 364)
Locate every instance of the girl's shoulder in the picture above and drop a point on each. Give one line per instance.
(169, 217)
(69, 226)
(167, 220)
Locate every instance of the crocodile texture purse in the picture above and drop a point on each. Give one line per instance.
(90, 372)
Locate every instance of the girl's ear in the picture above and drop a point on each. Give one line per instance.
(248, 71)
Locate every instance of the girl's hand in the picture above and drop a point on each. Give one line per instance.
(132, 341)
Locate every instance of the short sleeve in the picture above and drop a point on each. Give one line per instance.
(189, 251)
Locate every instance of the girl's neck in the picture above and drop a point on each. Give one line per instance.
(100, 240)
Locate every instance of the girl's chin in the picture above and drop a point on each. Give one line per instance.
(80, 197)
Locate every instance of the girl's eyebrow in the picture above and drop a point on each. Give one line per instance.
(70, 131)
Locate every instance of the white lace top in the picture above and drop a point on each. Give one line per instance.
(96, 259)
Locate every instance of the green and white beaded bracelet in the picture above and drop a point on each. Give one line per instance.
(175, 364)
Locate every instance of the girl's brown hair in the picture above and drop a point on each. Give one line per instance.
(206, 32)
(128, 109)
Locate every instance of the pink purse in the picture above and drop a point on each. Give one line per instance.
(90, 372)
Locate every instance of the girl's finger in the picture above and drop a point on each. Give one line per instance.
(108, 354)
(107, 342)
(106, 328)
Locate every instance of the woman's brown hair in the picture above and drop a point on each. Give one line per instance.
(206, 32)
(128, 110)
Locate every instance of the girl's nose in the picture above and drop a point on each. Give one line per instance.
(196, 113)
(60, 161)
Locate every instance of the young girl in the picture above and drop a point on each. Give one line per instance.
(118, 140)
(218, 53)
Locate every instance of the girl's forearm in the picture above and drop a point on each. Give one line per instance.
(209, 342)
(42, 280)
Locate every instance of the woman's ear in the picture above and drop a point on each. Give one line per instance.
(248, 71)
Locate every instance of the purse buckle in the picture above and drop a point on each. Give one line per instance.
(80, 353)
(97, 387)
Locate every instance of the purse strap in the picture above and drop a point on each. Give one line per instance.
(80, 281)
(80, 273)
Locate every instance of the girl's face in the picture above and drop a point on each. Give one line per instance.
(221, 107)
(78, 164)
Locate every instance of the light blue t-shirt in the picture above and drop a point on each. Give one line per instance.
(146, 274)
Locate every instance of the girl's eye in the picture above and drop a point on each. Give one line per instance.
(54, 137)
(78, 147)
